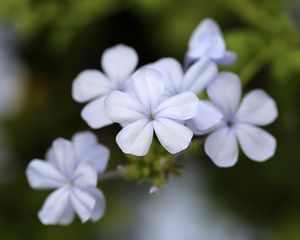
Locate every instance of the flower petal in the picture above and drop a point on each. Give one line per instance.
(148, 86)
(90, 84)
(256, 143)
(199, 75)
(64, 158)
(172, 72)
(227, 59)
(173, 136)
(182, 106)
(94, 113)
(87, 149)
(118, 62)
(221, 146)
(136, 138)
(83, 203)
(100, 205)
(225, 93)
(85, 175)
(207, 117)
(123, 108)
(207, 27)
(42, 175)
(56, 209)
(257, 108)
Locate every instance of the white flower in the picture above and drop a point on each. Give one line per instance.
(71, 168)
(207, 42)
(195, 79)
(118, 63)
(147, 111)
(240, 121)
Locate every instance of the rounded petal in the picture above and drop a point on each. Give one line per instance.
(182, 106)
(256, 143)
(64, 158)
(136, 138)
(85, 175)
(172, 135)
(100, 205)
(172, 72)
(227, 59)
(148, 86)
(207, 117)
(257, 108)
(90, 84)
(212, 47)
(94, 113)
(42, 175)
(83, 142)
(199, 75)
(123, 108)
(221, 146)
(83, 203)
(207, 27)
(119, 62)
(87, 149)
(56, 209)
(225, 93)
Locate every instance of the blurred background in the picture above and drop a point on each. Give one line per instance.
(44, 44)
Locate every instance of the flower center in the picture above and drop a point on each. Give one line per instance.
(151, 117)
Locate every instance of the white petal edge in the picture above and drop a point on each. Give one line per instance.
(136, 138)
(225, 93)
(256, 143)
(94, 113)
(56, 208)
(173, 136)
(118, 62)
(257, 108)
(42, 175)
(222, 148)
(90, 84)
(148, 86)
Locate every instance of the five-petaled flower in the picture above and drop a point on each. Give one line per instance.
(146, 110)
(72, 168)
(207, 42)
(118, 63)
(240, 122)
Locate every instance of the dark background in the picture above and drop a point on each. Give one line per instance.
(54, 40)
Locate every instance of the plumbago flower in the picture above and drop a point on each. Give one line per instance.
(196, 78)
(240, 122)
(147, 111)
(72, 168)
(118, 63)
(207, 42)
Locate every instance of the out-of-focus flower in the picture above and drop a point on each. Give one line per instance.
(207, 42)
(71, 168)
(12, 75)
(195, 79)
(239, 123)
(118, 63)
(147, 110)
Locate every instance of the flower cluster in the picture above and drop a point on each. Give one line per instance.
(163, 99)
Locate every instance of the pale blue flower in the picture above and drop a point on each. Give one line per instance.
(147, 110)
(118, 63)
(195, 79)
(207, 42)
(72, 168)
(240, 122)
